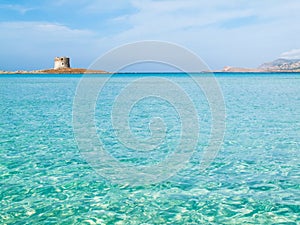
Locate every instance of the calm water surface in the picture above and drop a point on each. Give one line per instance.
(255, 178)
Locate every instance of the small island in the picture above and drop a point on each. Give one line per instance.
(61, 66)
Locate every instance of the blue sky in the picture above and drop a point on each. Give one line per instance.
(236, 33)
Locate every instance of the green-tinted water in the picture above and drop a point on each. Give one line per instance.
(255, 178)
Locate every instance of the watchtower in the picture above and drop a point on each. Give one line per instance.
(61, 62)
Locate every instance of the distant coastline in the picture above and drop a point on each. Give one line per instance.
(87, 71)
(276, 66)
(280, 65)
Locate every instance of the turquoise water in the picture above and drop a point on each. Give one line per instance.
(255, 178)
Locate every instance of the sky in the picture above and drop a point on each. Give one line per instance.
(222, 33)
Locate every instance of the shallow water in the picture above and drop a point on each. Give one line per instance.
(255, 178)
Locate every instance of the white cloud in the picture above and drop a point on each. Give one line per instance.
(95, 6)
(198, 25)
(105, 6)
(18, 8)
(161, 17)
(40, 32)
(292, 54)
(167, 15)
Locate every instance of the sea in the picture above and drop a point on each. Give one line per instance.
(150, 170)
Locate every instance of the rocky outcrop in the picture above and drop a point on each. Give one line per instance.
(282, 64)
(278, 65)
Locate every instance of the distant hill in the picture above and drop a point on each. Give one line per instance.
(278, 65)
(282, 64)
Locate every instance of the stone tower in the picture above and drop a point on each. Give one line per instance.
(61, 62)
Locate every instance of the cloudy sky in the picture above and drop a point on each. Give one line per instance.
(237, 32)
